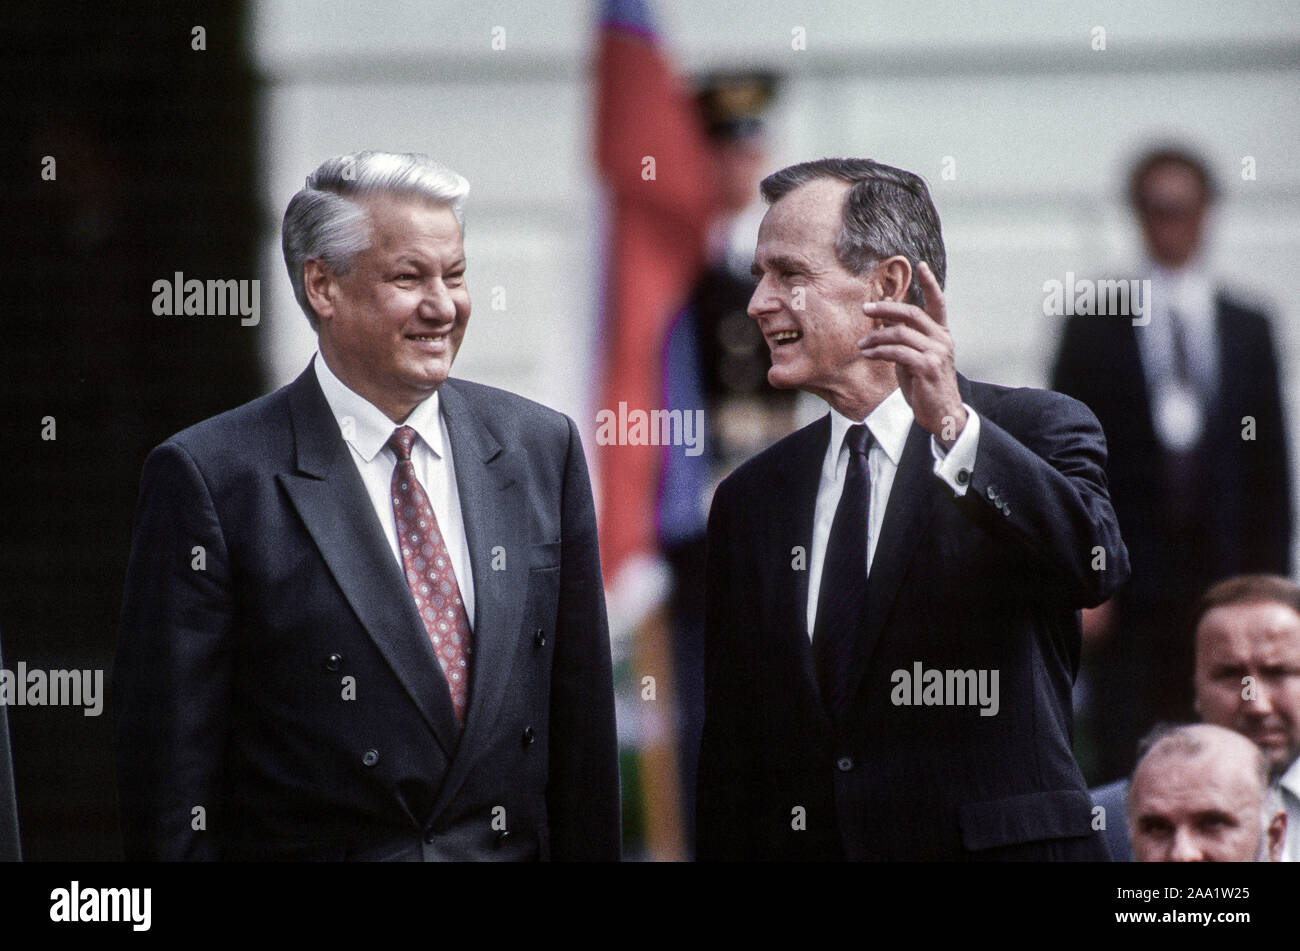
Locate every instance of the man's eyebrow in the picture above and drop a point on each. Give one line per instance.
(780, 262)
(1221, 815)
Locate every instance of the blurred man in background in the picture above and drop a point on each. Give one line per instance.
(1201, 794)
(1192, 410)
(1248, 680)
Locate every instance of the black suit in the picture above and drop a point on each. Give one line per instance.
(1241, 521)
(229, 683)
(10, 850)
(988, 581)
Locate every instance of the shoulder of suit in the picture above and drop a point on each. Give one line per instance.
(994, 400)
(496, 399)
(257, 424)
(1240, 304)
(808, 443)
(509, 415)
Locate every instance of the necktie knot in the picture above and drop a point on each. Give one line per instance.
(401, 441)
(858, 439)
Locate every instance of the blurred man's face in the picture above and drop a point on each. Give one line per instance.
(1248, 676)
(808, 306)
(740, 164)
(390, 328)
(1204, 808)
(1171, 209)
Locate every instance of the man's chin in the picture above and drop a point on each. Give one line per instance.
(782, 378)
(1279, 759)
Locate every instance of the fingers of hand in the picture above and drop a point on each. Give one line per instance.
(934, 303)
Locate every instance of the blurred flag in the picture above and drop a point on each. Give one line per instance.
(653, 158)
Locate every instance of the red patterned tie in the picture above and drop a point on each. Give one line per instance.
(428, 572)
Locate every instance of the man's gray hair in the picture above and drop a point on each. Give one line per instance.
(887, 211)
(325, 220)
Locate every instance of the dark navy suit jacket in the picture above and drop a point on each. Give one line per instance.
(989, 581)
(234, 737)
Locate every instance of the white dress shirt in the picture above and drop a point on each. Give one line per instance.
(367, 430)
(1289, 791)
(1189, 291)
(889, 424)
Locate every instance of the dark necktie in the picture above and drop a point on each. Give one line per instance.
(429, 574)
(842, 601)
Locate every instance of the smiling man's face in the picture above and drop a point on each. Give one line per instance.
(390, 328)
(808, 306)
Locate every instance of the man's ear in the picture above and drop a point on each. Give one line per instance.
(895, 278)
(321, 286)
(1276, 836)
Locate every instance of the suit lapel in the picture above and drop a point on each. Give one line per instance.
(792, 510)
(328, 494)
(488, 481)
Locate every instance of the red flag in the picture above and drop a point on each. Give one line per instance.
(654, 160)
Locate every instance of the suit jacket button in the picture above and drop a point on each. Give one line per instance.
(844, 764)
(502, 836)
(963, 476)
(370, 757)
(539, 638)
(1006, 509)
(333, 661)
(530, 735)
(430, 836)
(992, 493)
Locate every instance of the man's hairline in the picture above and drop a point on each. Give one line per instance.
(362, 203)
(843, 227)
(1243, 603)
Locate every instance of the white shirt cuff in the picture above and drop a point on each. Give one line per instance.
(956, 465)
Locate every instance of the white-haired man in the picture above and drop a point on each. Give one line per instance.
(364, 616)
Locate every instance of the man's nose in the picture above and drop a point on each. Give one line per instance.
(762, 301)
(1185, 847)
(437, 302)
(1257, 698)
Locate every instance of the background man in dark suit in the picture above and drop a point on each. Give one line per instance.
(936, 557)
(1192, 411)
(364, 615)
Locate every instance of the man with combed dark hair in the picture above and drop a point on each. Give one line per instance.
(1201, 794)
(364, 616)
(892, 626)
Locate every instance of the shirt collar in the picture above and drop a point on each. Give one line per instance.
(370, 429)
(1188, 290)
(1290, 780)
(889, 423)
